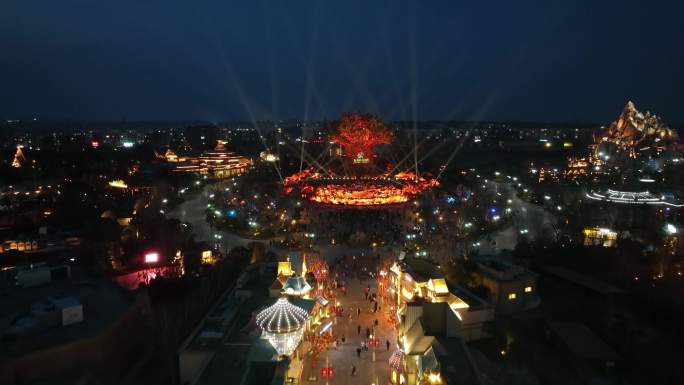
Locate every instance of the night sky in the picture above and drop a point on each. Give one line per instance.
(563, 61)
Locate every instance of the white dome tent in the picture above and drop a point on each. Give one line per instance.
(283, 325)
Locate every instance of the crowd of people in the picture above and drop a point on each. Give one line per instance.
(353, 320)
(360, 226)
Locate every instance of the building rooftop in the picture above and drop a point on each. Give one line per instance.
(422, 270)
(582, 280)
(296, 286)
(103, 303)
(502, 269)
(234, 352)
(474, 302)
(582, 342)
(457, 365)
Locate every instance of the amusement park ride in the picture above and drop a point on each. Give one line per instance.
(356, 179)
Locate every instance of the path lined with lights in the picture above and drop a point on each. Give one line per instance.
(342, 359)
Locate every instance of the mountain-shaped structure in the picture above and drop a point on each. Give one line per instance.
(635, 134)
(19, 158)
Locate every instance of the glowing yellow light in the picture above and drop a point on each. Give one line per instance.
(434, 378)
(406, 293)
(207, 257)
(118, 183)
(285, 268)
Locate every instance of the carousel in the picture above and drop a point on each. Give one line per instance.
(283, 325)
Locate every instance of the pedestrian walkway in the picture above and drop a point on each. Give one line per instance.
(345, 357)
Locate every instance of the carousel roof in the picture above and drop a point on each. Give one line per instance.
(281, 317)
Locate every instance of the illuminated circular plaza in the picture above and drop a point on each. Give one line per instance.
(356, 180)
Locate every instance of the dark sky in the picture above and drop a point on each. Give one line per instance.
(212, 60)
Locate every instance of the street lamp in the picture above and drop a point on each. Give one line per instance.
(670, 229)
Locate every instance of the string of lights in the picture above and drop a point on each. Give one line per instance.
(282, 324)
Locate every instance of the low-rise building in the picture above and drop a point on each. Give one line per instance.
(512, 288)
(20, 243)
(598, 236)
(430, 348)
(584, 351)
(421, 281)
(41, 274)
(85, 328)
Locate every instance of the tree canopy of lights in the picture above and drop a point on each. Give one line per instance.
(358, 134)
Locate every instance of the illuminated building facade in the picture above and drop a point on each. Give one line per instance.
(218, 163)
(426, 286)
(207, 257)
(291, 281)
(291, 277)
(416, 350)
(634, 135)
(20, 245)
(579, 167)
(171, 156)
(19, 158)
(597, 236)
(268, 157)
(634, 197)
(431, 335)
(407, 285)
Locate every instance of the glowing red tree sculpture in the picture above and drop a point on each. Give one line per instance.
(358, 135)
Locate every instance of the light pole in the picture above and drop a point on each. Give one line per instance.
(327, 367)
